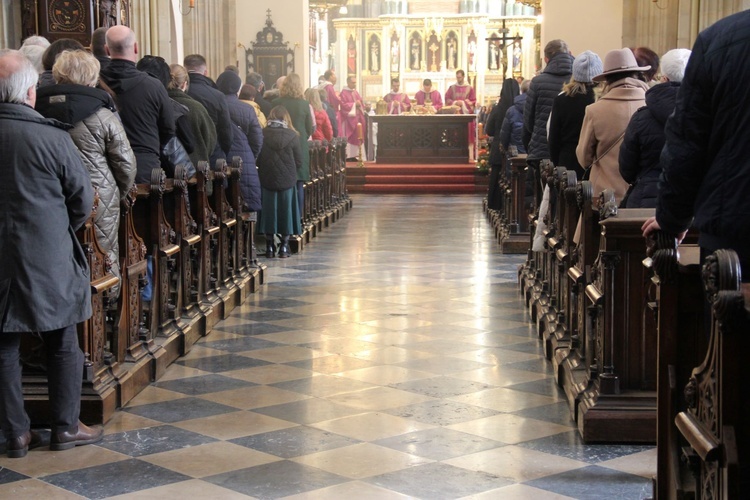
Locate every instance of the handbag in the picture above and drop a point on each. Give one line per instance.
(587, 170)
(174, 153)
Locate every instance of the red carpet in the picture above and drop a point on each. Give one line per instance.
(414, 179)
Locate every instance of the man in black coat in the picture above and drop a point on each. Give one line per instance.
(256, 80)
(705, 177)
(99, 47)
(544, 88)
(45, 196)
(204, 90)
(145, 108)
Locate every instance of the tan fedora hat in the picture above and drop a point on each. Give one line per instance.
(619, 61)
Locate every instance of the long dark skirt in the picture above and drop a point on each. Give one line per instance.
(280, 214)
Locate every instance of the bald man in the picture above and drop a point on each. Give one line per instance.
(145, 108)
(45, 196)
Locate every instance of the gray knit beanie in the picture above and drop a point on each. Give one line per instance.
(586, 66)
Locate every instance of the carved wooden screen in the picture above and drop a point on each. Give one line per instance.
(76, 19)
(270, 55)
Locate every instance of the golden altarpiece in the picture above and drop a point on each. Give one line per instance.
(425, 43)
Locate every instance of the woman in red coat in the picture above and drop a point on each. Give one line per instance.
(323, 130)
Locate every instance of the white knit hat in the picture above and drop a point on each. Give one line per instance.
(586, 66)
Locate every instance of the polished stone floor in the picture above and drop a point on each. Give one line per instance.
(392, 359)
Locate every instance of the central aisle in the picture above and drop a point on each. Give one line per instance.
(392, 359)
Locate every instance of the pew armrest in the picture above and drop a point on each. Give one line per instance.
(702, 441)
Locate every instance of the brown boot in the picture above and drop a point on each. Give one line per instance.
(20, 446)
(83, 435)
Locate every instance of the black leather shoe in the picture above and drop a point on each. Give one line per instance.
(270, 251)
(84, 435)
(20, 446)
(284, 251)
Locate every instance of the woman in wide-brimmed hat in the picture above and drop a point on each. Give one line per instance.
(606, 120)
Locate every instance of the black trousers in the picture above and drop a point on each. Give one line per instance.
(64, 373)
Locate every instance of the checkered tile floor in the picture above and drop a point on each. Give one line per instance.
(392, 359)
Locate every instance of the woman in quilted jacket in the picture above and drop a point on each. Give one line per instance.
(278, 162)
(100, 138)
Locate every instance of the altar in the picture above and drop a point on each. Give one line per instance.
(422, 138)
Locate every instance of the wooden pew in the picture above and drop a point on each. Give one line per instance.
(675, 300)
(556, 333)
(619, 405)
(224, 255)
(208, 290)
(134, 347)
(515, 225)
(248, 273)
(713, 424)
(190, 320)
(161, 241)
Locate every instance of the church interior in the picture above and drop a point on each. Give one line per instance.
(421, 341)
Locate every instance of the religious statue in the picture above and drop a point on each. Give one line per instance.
(374, 56)
(107, 13)
(351, 56)
(471, 50)
(517, 54)
(451, 53)
(433, 57)
(394, 55)
(416, 60)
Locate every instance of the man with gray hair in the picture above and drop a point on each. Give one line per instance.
(542, 92)
(145, 107)
(45, 196)
(256, 80)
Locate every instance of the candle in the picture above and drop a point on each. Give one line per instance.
(192, 4)
(481, 130)
(359, 131)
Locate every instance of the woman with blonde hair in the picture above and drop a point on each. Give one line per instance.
(248, 93)
(204, 130)
(323, 130)
(292, 99)
(278, 164)
(568, 110)
(98, 134)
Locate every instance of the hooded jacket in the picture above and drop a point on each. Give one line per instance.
(542, 92)
(279, 158)
(247, 143)
(45, 196)
(644, 140)
(146, 111)
(512, 131)
(104, 149)
(602, 133)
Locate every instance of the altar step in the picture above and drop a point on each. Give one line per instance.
(411, 178)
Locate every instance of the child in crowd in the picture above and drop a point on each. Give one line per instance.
(279, 159)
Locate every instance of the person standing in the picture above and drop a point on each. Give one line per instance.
(99, 135)
(204, 90)
(494, 124)
(329, 85)
(145, 107)
(99, 47)
(351, 114)
(248, 137)
(605, 121)
(44, 275)
(323, 130)
(463, 96)
(204, 131)
(568, 110)
(645, 137)
(398, 102)
(278, 163)
(429, 97)
(542, 92)
(292, 98)
(705, 177)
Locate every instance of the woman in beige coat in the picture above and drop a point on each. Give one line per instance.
(606, 120)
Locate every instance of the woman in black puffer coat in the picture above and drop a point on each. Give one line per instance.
(247, 137)
(278, 162)
(645, 137)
